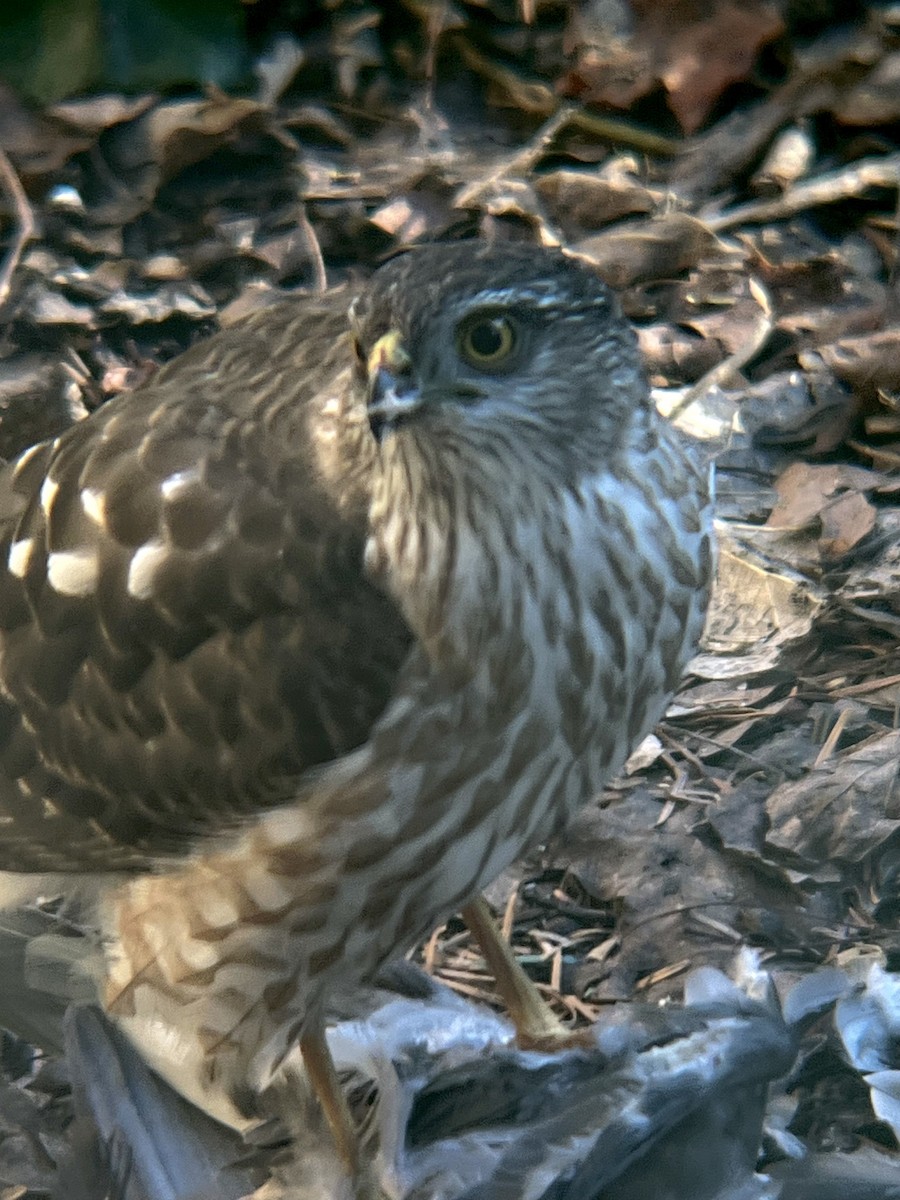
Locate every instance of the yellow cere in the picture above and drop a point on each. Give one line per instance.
(389, 354)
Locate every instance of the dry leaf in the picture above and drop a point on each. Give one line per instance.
(845, 522)
(757, 606)
(806, 490)
(842, 809)
(661, 247)
(706, 57)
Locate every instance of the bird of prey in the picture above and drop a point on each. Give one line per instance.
(305, 640)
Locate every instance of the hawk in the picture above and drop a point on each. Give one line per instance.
(305, 640)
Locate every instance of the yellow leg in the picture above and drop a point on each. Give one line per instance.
(536, 1025)
(323, 1077)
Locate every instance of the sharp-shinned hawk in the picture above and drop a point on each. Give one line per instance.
(306, 639)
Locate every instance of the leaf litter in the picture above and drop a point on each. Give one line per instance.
(734, 172)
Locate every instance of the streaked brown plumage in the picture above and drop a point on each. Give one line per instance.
(420, 652)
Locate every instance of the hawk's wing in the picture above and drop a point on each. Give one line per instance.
(185, 626)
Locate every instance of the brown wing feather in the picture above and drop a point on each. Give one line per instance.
(185, 625)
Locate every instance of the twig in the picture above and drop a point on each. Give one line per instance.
(833, 738)
(825, 189)
(315, 251)
(25, 230)
(517, 164)
(523, 160)
(868, 685)
(509, 914)
(625, 133)
(662, 974)
(734, 362)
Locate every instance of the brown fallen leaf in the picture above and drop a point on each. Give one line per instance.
(659, 248)
(184, 132)
(705, 57)
(695, 51)
(868, 364)
(845, 522)
(806, 490)
(875, 100)
(758, 605)
(844, 808)
(582, 201)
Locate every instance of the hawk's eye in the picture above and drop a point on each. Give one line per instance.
(487, 342)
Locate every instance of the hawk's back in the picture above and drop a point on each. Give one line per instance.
(185, 626)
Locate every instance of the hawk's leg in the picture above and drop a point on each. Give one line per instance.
(537, 1027)
(323, 1077)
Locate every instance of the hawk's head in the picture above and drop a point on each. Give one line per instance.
(470, 342)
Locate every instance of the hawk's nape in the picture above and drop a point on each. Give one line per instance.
(311, 635)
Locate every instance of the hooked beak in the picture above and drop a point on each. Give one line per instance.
(393, 395)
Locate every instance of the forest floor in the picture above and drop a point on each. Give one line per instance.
(735, 177)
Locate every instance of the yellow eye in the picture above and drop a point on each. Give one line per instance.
(487, 342)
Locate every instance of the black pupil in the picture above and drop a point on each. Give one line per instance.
(486, 338)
